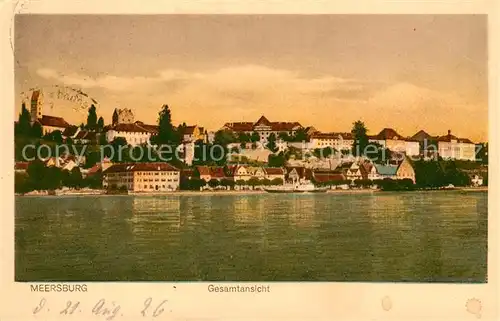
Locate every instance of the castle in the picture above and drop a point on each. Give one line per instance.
(123, 116)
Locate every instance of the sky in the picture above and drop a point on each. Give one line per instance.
(407, 72)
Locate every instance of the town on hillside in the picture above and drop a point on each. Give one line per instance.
(125, 156)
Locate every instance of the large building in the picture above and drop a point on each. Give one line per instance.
(135, 133)
(393, 141)
(48, 123)
(142, 177)
(338, 141)
(264, 128)
(452, 147)
(123, 116)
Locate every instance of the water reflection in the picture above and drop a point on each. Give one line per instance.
(435, 236)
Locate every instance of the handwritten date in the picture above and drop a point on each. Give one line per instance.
(102, 308)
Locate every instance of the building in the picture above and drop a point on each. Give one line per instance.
(193, 133)
(393, 141)
(405, 170)
(274, 173)
(36, 105)
(142, 177)
(135, 133)
(264, 128)
(327, 177)
(370, 171)
(338, 141)
(71, 131)
(240, 173)
(122, 116)
(428, 144)
(21, 167)
(452, 147)
(85, 137)
(298, 174)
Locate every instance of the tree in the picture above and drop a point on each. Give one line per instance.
(23, 127)
(36, 130)
(213, 183)
(253, 181)
(55, 136)
(240, 182)
(360, 138)
(100, 124)
(103, 139)
(265, 182)
(36, 174)
(285, 137)
(166, 132)
(255, 137)
(271, 142)
(301, 136)
(227, 182)
(21, 183)
(92, 118)
(114, 120)
(276, 160)
(277, 181)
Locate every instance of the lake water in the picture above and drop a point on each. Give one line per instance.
(438, 236)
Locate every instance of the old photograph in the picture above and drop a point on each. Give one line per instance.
(182, 147)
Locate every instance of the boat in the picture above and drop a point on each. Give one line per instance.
(296, 188)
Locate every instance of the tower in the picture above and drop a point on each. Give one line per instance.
(36, 105)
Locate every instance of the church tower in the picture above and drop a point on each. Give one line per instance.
(36, 106)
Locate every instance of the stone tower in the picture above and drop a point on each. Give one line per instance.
(36, 105)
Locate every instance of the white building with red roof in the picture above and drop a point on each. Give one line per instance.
(452, 147)
(264, 128)
(142, 177)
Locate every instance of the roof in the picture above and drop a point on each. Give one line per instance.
(217, 172)
(318, 135)
(70, 131)
(35, 95)
(275, 126)
(421, 135)
(263, 121)
(189, 130)
(388, 133)
(301, 171)
(327, 176)
(53, 121)
(142, 167)
(274, 171)
(203, 170)
(21, 165)
(129, 128)
(386, 170)
(448, 138)
(187, 172)
(97, 168)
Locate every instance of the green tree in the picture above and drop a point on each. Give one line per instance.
(276, 160)
(253, 181)
(255, 137)
(300, 136)
(100, 124)
(36, 130)
(114, 119)
(359, 133)
(271, 142)
(36, 174)
(166, 132)
(23, 127)
(277, 181)
(92, 118)
(213, 183)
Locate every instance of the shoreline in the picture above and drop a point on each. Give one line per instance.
(235, 192)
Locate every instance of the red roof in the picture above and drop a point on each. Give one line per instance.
(53, 121)
(135, 128)
(21, 165)
(97, 168)
(70, 131)
(388, 133)
(217, 172)
(35, 95)
(327, 176)
(141, 167)
(240, 127)
(203, 170)
(263, 121)
(274, 170)
(284, 126)
(301, 171)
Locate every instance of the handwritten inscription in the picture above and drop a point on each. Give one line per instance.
(102, 308)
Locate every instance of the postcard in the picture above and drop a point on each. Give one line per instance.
(219, 161)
